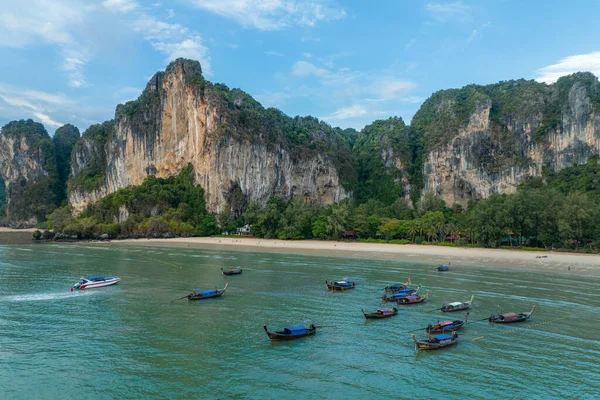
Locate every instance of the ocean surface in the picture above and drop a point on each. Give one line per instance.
(130, 341)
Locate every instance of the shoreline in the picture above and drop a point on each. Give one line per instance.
(506, 259)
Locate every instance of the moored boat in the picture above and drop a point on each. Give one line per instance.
(412, 299)
(381, 313)
(206, 294)
(291, 332)
(436, 341)
(340, 285)
(507, 318)
(90, 282)
(447, 326)
(401, 294)
(396, 287)
(457, 305)
(232, 271)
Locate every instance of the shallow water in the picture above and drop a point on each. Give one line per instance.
(130, 341)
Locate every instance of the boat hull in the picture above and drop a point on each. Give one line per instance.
(453, 309)
(434, 346)
(279, 336)
(426, 345)
(232, 272)
(518, 318)
(380, 316)
(93, 285)
(334, 287)
(449, 328)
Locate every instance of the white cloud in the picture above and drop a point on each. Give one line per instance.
(188, 48)
(444, 12)
(49, 22)
(274, 53)
(121, 6)
(477, 32)
(390, 88)
(568, 65)
(342, 114)
(269, 15)
(19, 103)
(170, 13)
(307, 55)
(46, 120)
(173, 40)
(304, 68)
(410, 44)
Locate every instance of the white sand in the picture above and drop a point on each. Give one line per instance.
(10, 230)
(585, 264)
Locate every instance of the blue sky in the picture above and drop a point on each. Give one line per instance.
(347, 62)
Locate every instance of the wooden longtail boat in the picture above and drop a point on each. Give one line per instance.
(412, 299)
(401, 294)
(206, 294)
(340, 285)
(232, 271)
(457, 306)
(447, 326)
(396, 287)
(443, 268)
(381, 313)
(508, 318)
(436, 341)
(291, 332)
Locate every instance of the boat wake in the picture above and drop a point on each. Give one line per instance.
(48, 296)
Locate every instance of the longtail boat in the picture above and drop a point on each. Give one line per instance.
(291, 332)
(443, 268)
(508, 318)
(206, 294)
(381, 313)
(401, 294)
(396, 287)
(436, 341)
(412, 299)
(447, 326)
(340, 285)
(457, 305)
(232, 271)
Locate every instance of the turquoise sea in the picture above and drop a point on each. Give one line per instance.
(129, 341)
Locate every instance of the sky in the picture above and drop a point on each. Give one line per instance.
(346, 62)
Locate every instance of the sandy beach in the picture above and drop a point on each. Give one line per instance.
(554, 261)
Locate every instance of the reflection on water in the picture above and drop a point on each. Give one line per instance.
(132, 341)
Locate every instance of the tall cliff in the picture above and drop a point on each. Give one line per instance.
(28, 169)
(383, 157)
(481, 140)
(233, 143)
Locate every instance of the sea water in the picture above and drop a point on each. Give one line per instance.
(132, 340)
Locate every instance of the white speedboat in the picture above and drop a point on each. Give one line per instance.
(89, 282)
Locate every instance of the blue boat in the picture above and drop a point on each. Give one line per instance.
(443, 268)
(436, 341)
(291, 332)
(401, 294)
(206, 294)
(340, 285)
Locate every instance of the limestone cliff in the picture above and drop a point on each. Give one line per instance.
(383, 155)
(28, 169)
(481, 140)
(232, 142)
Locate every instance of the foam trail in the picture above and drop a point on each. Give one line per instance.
(48, 296)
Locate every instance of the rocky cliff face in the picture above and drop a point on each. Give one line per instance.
(28, 168)
(481, 140)
(231, 141)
